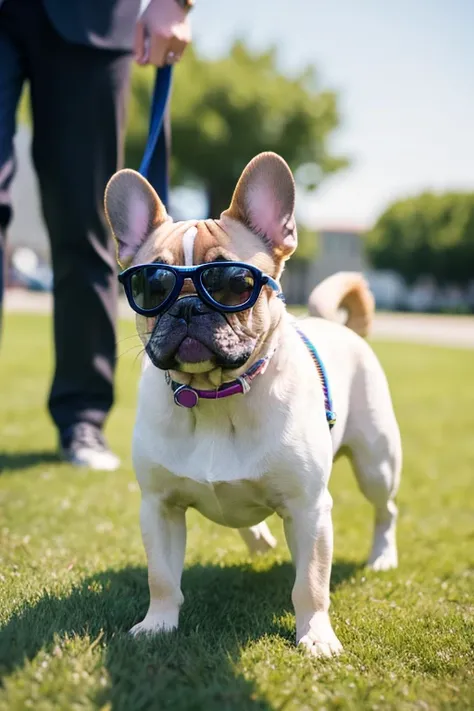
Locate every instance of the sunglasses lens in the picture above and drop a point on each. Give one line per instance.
(229, 286)
(151, 287)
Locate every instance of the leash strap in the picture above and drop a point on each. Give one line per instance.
(330, 414)
(154, 165)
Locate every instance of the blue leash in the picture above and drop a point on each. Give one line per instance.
(330, 414)
(154, 165)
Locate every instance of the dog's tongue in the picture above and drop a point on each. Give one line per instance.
(192, 351)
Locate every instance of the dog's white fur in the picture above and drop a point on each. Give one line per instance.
(188, 245)
(238, 460)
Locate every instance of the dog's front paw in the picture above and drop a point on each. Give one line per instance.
(320, 640)
(155, 624)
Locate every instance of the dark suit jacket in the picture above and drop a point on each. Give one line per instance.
(108, 24)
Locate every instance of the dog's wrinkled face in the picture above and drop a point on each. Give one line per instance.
(195, 342)
(190, 336)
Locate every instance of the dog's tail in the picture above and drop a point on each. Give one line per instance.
(346, 291)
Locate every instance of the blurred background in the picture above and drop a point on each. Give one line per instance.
(371, 104)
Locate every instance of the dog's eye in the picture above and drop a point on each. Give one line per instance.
(229, 286)
(241, 282)
(151, 287)
(161, 281)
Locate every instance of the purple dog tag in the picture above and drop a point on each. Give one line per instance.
(186, 397)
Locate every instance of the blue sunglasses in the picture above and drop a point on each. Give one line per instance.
(228, 287)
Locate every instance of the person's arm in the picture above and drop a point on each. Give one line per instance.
(163, 32)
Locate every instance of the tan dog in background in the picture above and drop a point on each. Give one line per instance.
(242, 458)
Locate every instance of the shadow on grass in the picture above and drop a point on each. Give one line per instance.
(14, 461)
(225, 608)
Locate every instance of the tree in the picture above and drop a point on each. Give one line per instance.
(429, 234)
(225, 111)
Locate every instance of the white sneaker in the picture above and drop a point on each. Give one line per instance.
(84, 445)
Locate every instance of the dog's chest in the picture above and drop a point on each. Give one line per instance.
(230, 484)
(236, 504)
(222, 441)
(226, 472)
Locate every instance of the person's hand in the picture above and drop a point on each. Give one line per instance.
(162, 33)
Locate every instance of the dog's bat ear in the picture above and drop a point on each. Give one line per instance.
(264, 200)
(133, 210)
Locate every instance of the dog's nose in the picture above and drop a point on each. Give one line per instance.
(187, 307)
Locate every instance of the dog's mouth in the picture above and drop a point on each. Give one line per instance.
(190, 356)
(205, 343)
(193, 356)
(193, 351)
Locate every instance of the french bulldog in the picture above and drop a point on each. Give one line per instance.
(235, 401)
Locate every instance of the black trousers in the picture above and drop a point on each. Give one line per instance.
(78, 96)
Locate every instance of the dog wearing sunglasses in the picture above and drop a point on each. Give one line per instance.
(234, 415)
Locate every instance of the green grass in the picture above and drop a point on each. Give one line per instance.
(73, 577)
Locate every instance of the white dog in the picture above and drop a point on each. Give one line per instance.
(255, 432)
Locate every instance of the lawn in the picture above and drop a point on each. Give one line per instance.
(73, 577)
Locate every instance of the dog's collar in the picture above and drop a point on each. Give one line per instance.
(186, 396)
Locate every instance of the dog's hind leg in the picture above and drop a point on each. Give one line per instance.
(374, 441)
(377, 471)
(258, 538)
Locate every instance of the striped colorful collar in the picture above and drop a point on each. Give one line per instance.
(186, 396)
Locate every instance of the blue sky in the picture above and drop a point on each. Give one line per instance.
(405, 75)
